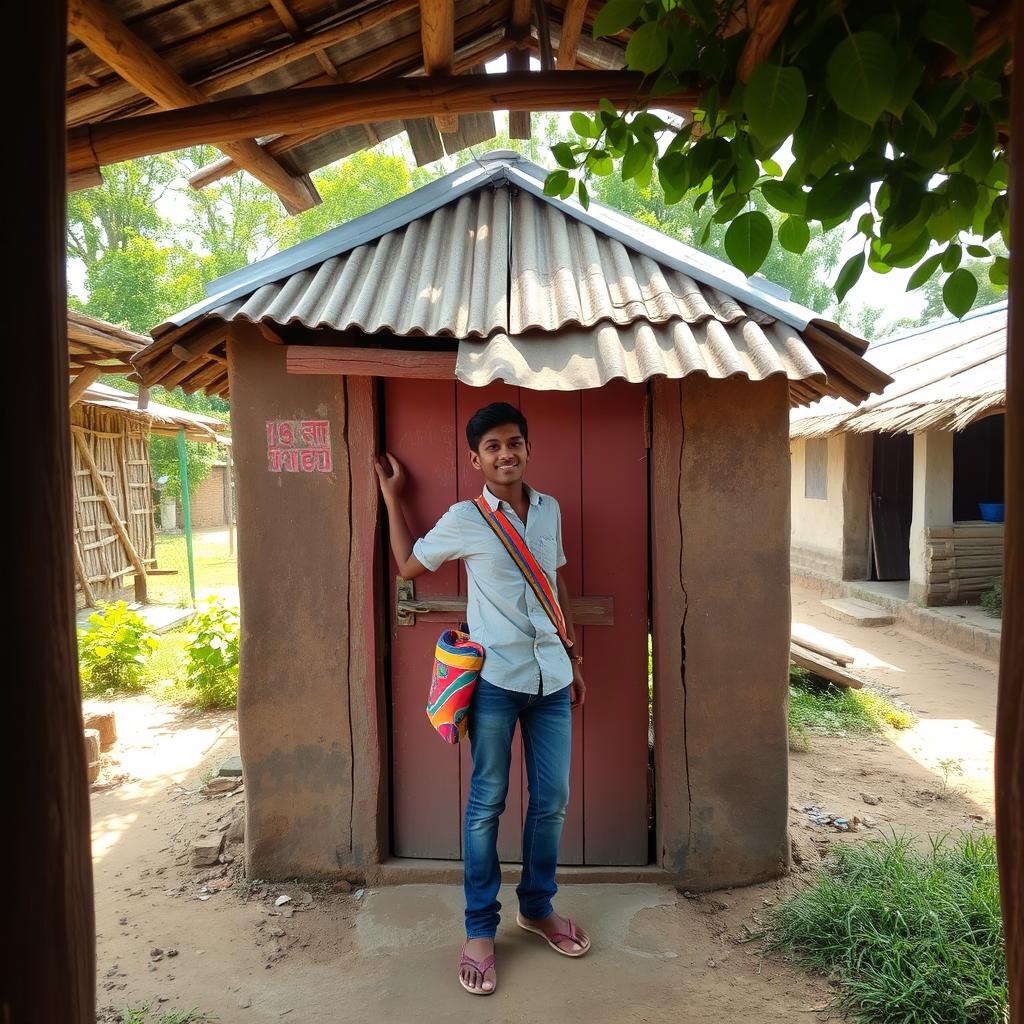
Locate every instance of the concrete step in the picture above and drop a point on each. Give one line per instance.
(858, 612)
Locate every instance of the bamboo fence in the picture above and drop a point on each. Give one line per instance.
(114, 528)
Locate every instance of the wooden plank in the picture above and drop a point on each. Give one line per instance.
(425, 140)
(615, 488)
(134, 60)
(857, 612)
(415, 364)
(823, 667)
(586, 611)
(572, 26)
(420, 424)
(811, 640)
(437, 30)
(292, 110)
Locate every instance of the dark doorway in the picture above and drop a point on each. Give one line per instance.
(977, 467)
(892, 489)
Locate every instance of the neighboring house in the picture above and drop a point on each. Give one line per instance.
(211, 501)
(657, 382)
(894, 489)
(114, 528)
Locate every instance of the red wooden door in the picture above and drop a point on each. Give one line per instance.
(588, 451)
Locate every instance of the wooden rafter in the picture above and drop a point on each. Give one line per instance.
(89, 375)
(767, 19)
(437, 31)
(519, 62)
(284, 143)
(291, 110)
(572, 27)
(93, 23)
(296, 31)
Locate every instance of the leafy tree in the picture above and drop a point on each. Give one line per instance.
(894, 122)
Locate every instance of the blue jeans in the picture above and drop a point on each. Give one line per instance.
(546, 727)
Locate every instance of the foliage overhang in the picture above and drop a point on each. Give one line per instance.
(895, 115)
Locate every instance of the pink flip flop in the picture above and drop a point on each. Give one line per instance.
(483, 966)
(555, 937)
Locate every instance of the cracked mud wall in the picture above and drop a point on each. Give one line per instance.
(720, 581)
(307, 812)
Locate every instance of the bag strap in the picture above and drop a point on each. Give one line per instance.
(514, 543)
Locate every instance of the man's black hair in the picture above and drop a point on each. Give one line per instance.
(497, 414)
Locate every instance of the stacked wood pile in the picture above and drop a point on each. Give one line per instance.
(114, 529)
(963, 561)
(821, 656)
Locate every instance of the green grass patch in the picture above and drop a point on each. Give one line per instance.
(215, 568)
(817, 706)
(145, 1014)
(915, 937)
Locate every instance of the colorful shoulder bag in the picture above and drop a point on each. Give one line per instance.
(458, 659)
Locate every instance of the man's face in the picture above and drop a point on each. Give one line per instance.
(503, 455)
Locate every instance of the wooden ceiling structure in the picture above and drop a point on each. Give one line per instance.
(125, 96)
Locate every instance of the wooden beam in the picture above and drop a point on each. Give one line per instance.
(292, 110)
(519, 62)
(547, 55)
(437, 30)
(296, 31)
(96, 26)
(824, 668)
(1009, 739)
(88, 177)
(77, 387)
(207, 337)
(284, 143)
(143, 403)
(767, 19)
(572, 27)
(371, 362)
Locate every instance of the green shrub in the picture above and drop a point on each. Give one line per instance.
(914, 938)
(112, 654)
(992, 600)
(817, 706)
(211, 668)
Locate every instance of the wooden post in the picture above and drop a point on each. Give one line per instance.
(1009, 769)
(50, 962)
(229, 470)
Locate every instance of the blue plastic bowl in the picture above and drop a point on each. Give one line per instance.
(992, 513)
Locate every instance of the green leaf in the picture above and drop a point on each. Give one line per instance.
(730, 207)
(983, 89)
(647, 48)
(951, 258)
(924, 272)
(674, 175)
(562, 152)
(836, 196)
(637, 157)
(921, 116)
(600, 163)
(866, 224)
(959, 292)
(909, 70)
(949, 23)
(979, 252)
(775, 100)
(861, 73)
(982, 153)
(583, 126)
(555, 182)
(999, 272)
(616, 15)
(851, 137)
(794, 234)
(849, 275)
(772, 168)
(748, 241)
(584, 195)
(785, 196)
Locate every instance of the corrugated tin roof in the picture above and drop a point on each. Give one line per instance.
(484, 255)
(945, 376)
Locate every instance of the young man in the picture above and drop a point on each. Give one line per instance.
(528, 676)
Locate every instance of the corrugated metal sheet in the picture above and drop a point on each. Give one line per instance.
(945, 376)
(580, 358)
(563, 298)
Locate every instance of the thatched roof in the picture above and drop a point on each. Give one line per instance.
(945, 376)
(524, 287)
(93, 342)
(162, 419)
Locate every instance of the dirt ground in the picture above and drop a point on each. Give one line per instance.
(180, 937)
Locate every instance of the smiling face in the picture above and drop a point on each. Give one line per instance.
(503, 455)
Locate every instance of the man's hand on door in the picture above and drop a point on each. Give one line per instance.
(577, 688)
